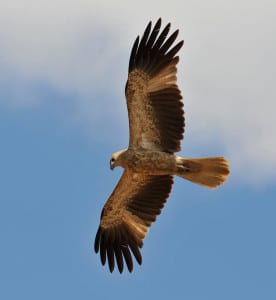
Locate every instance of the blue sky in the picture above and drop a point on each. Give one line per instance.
(62, 116)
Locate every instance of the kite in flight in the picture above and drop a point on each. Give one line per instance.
(156, 124)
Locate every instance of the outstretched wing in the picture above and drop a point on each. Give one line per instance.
(127, 216)
(155, 109)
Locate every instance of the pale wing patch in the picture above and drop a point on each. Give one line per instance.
(148, 143)
(136, 224)
(165, 79)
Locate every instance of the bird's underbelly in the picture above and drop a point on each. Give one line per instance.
(151, 162)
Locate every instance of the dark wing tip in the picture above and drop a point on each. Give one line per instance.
(97, 240)
(128, 258)
(163, 36)
(175, 49)
(110, 257)
(153, 49)
(119, 257)
(115, 245)
(168, 43)
(131, 65)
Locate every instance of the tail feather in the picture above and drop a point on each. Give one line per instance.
(209, 172)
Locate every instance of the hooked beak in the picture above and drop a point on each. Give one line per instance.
(112, 167)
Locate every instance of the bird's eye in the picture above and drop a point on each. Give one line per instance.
(112, 159)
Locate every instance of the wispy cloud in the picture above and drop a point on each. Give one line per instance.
(81, 47)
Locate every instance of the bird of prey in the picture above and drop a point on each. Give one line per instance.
(156, 125)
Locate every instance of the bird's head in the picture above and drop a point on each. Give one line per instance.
(116, 159)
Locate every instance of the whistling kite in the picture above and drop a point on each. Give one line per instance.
(156, 123)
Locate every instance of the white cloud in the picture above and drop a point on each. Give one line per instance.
(227, 68)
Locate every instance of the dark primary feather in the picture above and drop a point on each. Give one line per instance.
(133, 54)
(154, 33)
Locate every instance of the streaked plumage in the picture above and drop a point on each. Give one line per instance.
(156, 122)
